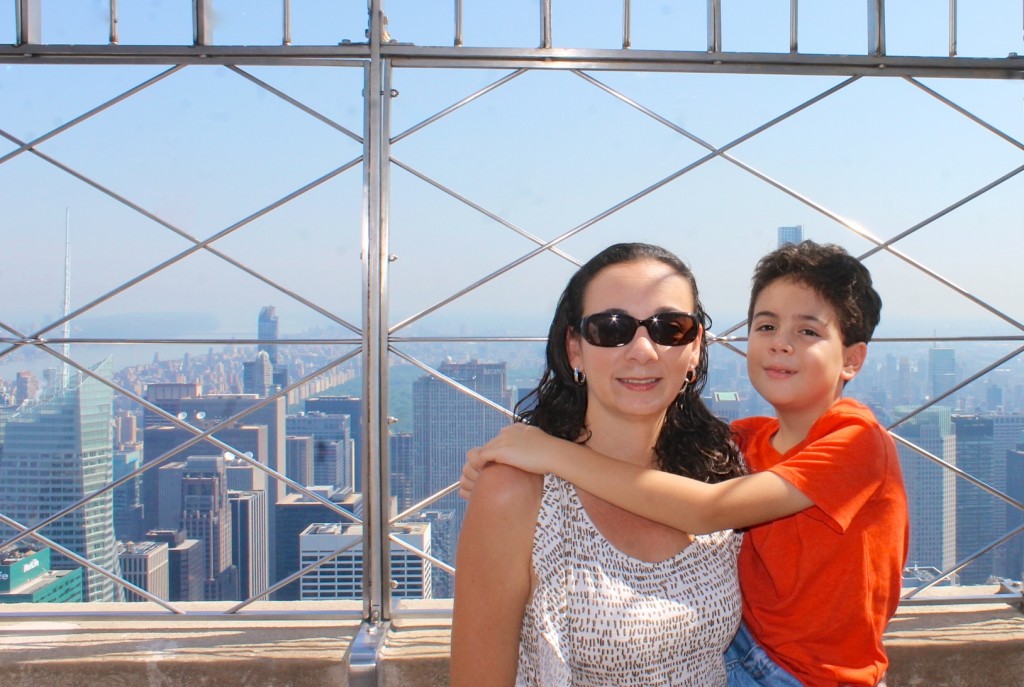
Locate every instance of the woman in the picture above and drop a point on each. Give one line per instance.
(557, 587)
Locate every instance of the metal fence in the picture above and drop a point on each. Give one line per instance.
(341, 144)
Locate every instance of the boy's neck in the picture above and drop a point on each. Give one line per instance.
(794, 428)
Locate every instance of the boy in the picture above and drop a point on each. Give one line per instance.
(822, 560)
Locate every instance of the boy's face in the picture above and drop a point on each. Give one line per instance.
(795, 356)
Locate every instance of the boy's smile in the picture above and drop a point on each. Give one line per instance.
(795, 357)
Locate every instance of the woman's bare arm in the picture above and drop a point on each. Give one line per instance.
(493, 578)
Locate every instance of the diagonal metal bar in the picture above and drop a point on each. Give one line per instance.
(86, 563)
(701, 142)
(966, 113)
(451, 382)
(452, 108)
(423, 504)
(200, 435)
(959, 472)
(280, 584)
(422, 554)
(964, 563)
(96, 110)
(296, 103)
(479, 208)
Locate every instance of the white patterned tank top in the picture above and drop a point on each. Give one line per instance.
(601, 618)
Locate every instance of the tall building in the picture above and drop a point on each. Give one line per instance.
(26, 387)
(353, 407)
(931, 488)
(267, 332)
(186, 565)
(258, 376)
(342, 576)
(206, 516)
(942, 374)
(56, 451)
(249, 541)
(296, 512)
(447, 422)
(300, 451)
(26, 577)
(1015, 516)
(187, 402)
(794, 234)
(332, 446)
(984, 443)
(145, 564)
(402, 466)
(128, 508)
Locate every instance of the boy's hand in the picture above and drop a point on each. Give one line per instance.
(519, 445)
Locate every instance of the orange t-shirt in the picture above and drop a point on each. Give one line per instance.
(820, 586)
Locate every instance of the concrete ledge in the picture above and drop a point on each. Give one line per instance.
(300, 644)
(957, 646)
(172, 650)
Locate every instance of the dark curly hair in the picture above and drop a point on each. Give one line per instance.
(693, 442)
(836, 276)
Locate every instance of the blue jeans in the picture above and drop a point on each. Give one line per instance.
(748, 665)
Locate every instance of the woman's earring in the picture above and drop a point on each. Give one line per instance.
(690, 378)
(579, 376)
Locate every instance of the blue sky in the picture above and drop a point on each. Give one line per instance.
(205, 147)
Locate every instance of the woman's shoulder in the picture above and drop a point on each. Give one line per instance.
(504, 489)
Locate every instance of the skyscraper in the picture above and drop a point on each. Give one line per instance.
(56, 451)
(249, 541)
(206, 516)
(353, 407)
(942, 374)
(794, 234)
(931, 489)
(332, 446)
(447, 422)
(187, 402)
(145, 564)
(267, 331)
(983, 443)
(342, 576)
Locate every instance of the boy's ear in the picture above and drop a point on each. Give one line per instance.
(854, 356)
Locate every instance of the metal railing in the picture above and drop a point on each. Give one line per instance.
(378, 337)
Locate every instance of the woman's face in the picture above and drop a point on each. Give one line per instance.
(640, 379)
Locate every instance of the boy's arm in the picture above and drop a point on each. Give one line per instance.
(673, 500)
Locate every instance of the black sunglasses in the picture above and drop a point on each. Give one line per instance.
(608, 329)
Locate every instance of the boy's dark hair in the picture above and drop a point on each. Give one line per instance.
(835, 275)
(693, 442)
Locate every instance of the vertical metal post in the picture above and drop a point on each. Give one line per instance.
(202, 27)
(113, 22)
(362, 670)
(27, 18)
(286, 29)
(952, 28)
(545, 23)
(794, 26)
(714, 25)
(458, 23)
(626, 12)
(876, 27)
